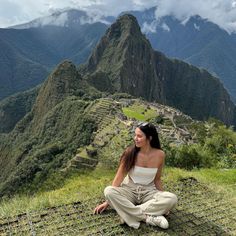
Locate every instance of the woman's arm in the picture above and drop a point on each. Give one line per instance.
(119, 177)
(157, 179)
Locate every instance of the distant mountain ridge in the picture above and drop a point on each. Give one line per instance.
(196, 41)
(66, 18)
(72, 34)
(27, 54)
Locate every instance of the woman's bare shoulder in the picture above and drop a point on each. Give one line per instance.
(160, 153)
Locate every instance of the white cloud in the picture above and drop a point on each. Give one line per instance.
(221, 12)
(149, 28)
(93, 17)
(15, 12)
(196, 26)
(54, 20)
(165, 27)
(234, 4)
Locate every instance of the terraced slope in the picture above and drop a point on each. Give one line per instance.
(200, 211)
(115, 130)
(102, 111)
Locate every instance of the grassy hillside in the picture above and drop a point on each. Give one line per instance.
(78, 134)
(43, 148)
(203, 207)
(61, 196)
(84, 185)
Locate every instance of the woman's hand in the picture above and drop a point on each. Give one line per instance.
(100, 208)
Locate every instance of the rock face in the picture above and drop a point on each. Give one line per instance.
(63, 82)
(124, 61)
(194, 91)
(197, 41)
(125, 57)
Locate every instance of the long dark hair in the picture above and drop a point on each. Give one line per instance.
(129, 156)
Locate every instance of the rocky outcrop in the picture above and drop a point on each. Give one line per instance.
(63, 82)
(124, 61)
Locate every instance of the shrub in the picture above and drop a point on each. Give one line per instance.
(216, 147)
(185, 157)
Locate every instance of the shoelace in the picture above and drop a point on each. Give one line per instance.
(138, 190)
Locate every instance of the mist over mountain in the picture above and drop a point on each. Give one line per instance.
(71, 18)
(28, 53)
(72, 34)
(18, 71)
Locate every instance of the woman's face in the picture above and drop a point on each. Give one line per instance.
(140, 138)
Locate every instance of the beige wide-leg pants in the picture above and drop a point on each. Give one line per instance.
(133, 201)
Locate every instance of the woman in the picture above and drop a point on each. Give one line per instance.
(136, 192)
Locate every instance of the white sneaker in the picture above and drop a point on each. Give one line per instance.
(160, 221)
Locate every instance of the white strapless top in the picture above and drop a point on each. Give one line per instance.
(142, 175)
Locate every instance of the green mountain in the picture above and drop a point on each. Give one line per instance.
(47, 135)
(69, 126)
(14, 108)
(18, 71)
(28, 55)
(81, 117)
(196, 41)
(29, 51)
(124, 61)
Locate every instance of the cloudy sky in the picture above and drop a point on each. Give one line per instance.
(221, 12)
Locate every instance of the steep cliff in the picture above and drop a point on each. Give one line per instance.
(124, 61)
(63, 82)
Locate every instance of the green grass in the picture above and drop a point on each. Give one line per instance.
(138, 112)
(218, 176)
(80, 186)
(83, 153)
(83, 186)
(222, 180)
(218, 180)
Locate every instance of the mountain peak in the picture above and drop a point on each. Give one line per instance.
(64, 68)
(63, 82)
(125, 24)
(122, 59)
(63, 79)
